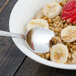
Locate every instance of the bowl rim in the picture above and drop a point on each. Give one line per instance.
(34, 56)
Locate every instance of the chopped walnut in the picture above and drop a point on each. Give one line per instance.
(74, 58)
(55, 40)
(47, 55)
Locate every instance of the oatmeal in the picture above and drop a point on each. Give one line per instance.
(63, 45)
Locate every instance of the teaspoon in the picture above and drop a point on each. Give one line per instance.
(37, 38)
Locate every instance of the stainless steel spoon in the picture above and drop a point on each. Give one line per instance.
(37, 38)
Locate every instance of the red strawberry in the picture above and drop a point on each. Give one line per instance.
(74, 22)
(70, 20)
(69, 12)
(69, 6)
(66, 15)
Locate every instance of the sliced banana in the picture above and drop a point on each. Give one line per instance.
(68, 34)
(37, 22)
(52, 9)
(40, 14)
(59, 53)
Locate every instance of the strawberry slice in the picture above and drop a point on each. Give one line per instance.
(70, 6)
(74, 22)
(69, 12)
(70, 20)
(66, 15)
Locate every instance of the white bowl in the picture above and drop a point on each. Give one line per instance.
(24, 11)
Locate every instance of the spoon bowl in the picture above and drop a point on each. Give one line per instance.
(38, 39)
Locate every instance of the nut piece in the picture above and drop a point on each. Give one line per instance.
(74, 58)
(47, 55)
(55, 40)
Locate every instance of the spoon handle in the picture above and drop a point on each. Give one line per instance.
(13, 35)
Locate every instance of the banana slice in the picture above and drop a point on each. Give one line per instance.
(52, 9)
(59, 53)
(37, 22)
(40, 14)
(68, 34)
